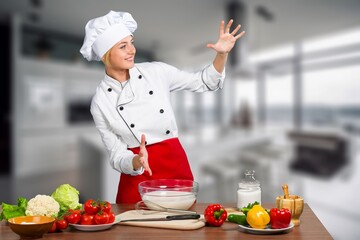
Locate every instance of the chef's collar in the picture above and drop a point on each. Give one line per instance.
(124, 90)
(134, 73)
(114, 84)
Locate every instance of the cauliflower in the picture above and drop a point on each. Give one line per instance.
(42, 205)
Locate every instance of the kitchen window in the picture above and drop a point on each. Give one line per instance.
(314, 83)
(338, 105)
(279, 101)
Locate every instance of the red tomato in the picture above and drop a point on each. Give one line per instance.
(53, 228)
(105, 206)
(87, 219)
(101, 218)
(75, 211)
(91, 206)
(61, 224)
(73, 216)
(111, 217)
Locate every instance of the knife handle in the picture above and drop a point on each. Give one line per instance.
(182, 217)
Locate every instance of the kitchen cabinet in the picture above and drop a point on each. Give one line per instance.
(51, 159)
(48, 152)
(80, 82)
(41, 153)
(43, 144)
(44, 91)
(44, 140)
(46, 145)
(39, 95)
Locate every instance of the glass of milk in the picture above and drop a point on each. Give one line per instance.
(249, 190)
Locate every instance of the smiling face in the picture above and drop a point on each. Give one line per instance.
(121, 56)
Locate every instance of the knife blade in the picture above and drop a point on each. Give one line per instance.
(166, 218)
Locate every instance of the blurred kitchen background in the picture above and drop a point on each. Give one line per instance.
(290, 108)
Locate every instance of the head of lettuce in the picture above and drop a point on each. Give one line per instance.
(67, 196)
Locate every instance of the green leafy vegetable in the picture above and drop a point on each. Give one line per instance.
(10, 211)
(246, 209)
(67, 196)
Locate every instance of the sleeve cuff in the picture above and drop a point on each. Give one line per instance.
(138, 172)
(127, 167)
(212, 78)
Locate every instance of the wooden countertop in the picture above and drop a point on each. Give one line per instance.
(310, 228)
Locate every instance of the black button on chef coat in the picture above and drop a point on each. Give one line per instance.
(109, 89)
(167, 131)
(132, 125)
(161, 110)
(140, 77)
(151, 92)
(121, 108)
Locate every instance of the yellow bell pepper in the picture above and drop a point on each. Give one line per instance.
(257, 217)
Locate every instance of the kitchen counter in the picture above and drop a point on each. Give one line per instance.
(310, 228)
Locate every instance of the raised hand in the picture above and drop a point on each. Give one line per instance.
(226, 39)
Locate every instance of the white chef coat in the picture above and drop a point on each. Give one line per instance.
(141, 105)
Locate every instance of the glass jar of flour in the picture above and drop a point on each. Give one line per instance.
(249, 190)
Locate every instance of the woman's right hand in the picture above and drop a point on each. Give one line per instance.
(141, 160)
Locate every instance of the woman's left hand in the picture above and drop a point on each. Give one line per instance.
(226, 39)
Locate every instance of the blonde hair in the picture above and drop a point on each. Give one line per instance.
(106, 58)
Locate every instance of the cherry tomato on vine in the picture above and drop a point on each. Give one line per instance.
(87, 219)
(91, 206)
(73, 216)
(105, 206)
(101, 218)
(111, 217)
(61, 224)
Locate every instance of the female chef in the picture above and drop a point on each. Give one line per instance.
(131, 107)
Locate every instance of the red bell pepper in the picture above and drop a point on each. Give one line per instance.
(215, 215)
(280, 218)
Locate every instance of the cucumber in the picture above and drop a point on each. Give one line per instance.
(239, 219)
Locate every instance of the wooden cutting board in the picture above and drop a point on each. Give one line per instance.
(233, 211)
(188, 224)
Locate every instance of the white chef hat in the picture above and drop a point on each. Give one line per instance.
(104, 32)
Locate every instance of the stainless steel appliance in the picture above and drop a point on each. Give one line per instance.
(319, 154)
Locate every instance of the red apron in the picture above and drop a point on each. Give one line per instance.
(167, 160)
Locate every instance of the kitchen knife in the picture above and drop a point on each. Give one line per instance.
(167, 218)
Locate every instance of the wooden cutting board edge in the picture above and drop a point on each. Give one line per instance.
(189, 224)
